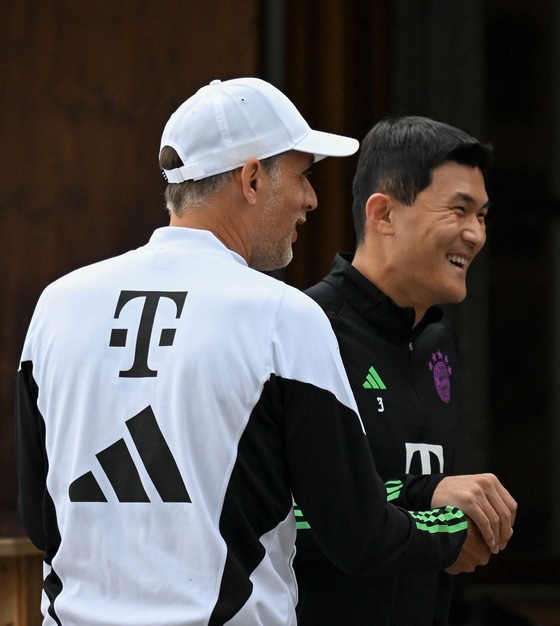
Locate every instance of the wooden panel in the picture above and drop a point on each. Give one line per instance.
(17, 546)
(338, 74)
(21, 574)
(86, 88)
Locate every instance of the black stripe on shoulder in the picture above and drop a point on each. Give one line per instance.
(36, 508)
(258, 498)
(30, 455)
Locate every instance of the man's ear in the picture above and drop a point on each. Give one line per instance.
(379, 213)
(251, 178)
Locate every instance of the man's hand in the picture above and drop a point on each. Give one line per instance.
(484, 499)
(475, 551)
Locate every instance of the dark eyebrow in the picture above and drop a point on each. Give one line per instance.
(465, 197)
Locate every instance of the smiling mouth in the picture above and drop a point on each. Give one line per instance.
(458, 261)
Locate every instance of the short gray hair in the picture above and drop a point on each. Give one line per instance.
(178, 196)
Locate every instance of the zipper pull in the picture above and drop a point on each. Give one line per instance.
(410, 349)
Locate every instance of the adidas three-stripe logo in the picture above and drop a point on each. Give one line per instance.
(373, 380)
(118, 465)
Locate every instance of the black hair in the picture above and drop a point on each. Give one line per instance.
(399, 155)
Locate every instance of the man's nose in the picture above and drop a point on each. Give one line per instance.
(310, 198)
(475, 232)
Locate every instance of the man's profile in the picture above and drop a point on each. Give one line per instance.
(419, 208)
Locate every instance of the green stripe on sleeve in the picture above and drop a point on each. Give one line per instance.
(442, 528)
(300, 524)
(447, 520)
(394, 488)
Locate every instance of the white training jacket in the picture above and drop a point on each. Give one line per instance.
(171, 404)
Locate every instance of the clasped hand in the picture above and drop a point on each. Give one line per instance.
(490, 512)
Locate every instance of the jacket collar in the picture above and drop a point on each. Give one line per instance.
(372, 304)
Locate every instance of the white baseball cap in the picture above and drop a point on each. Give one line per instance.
(226, 123)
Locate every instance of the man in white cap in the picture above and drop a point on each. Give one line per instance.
(172, 401)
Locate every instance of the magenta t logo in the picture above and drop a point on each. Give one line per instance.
(439, 366)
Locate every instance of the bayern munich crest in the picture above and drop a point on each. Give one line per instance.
(439, 366)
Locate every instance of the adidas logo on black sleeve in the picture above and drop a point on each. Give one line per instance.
(118, 465)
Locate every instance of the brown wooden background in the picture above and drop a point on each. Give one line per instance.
(86, 88)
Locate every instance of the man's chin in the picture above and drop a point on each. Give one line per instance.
(270, 265)
(455, 298)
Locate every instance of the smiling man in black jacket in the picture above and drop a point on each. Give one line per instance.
(419, 209)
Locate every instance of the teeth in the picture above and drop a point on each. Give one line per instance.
(458, 260)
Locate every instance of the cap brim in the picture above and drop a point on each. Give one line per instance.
(326, 144)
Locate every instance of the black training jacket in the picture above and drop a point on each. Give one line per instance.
(405, 384)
